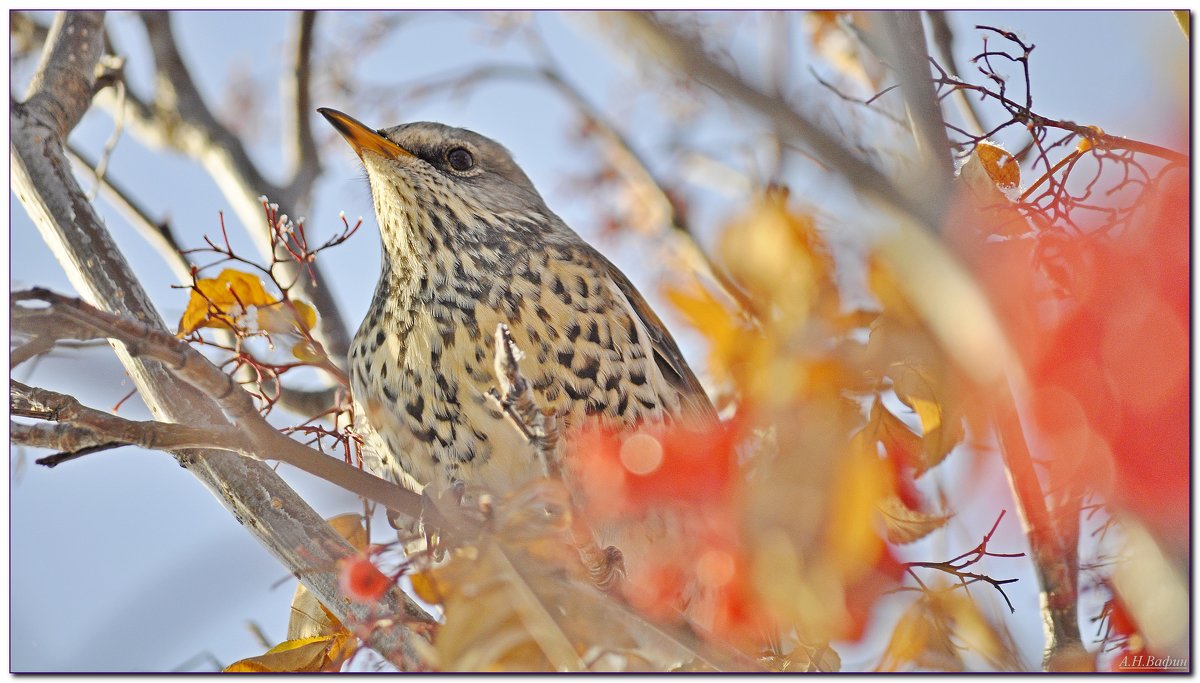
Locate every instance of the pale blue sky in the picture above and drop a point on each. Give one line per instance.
(121, 561)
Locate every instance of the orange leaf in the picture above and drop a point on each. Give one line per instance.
(1001, 166)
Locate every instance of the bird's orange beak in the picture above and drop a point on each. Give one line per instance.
(362, 138)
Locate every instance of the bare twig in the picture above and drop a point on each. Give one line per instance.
(957, 566)
(515, 399)
(1022, 113)
(178, 117)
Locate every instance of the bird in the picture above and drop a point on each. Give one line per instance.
(468, 243)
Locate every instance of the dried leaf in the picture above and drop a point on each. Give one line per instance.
(902, 444)
(425, 587)
(305, 352)
(905, 525)
(842, 49)
(309, 617)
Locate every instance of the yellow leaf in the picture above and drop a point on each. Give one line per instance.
(778, 255)
(941, 427)
(921, 639)
(861, 482)
(703, 312)
(222, 301)
(350, 527)
(319, 653)
(882, 282)
(905, 525)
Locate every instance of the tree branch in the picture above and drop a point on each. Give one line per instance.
(43, 182)
(300, 141)
(905, 36)
(81, 428)
(255, 437)
(1052, 559)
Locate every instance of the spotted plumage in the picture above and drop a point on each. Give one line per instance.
(469, 243)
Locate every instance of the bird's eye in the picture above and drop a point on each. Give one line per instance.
(460, 159)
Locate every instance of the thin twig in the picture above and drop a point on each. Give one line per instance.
(943, 42)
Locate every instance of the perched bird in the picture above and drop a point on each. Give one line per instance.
(469, 243)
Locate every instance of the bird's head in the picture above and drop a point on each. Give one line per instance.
(419, 169)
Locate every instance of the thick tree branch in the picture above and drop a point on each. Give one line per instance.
(42, 180)
(255, 436)
(905, 37)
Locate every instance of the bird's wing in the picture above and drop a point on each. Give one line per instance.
(695, 404)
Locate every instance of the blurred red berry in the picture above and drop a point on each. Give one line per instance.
(361, 581)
